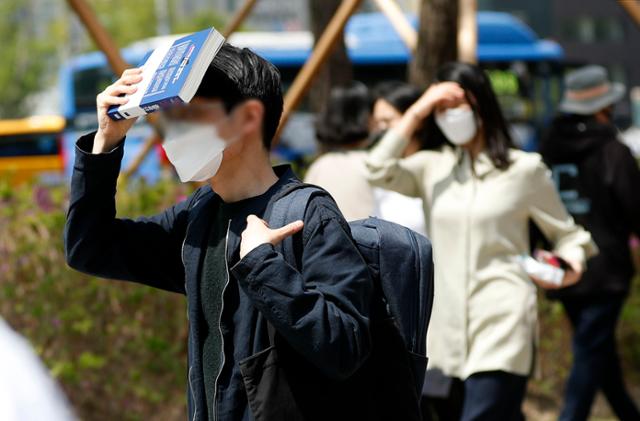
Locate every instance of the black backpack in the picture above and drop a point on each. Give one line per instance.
(400, 261)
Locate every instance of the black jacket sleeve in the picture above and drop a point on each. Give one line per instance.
(323, 312)
(146, 250)
(625, 185)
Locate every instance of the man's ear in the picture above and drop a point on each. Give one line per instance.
(251, 117)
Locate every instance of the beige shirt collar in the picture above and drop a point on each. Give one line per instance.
(482, 164)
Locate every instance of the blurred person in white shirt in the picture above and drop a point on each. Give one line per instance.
(27, 392)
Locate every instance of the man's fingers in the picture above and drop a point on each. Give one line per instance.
(128, 80)
(280, 234)
(116, 90)
(252, 219)
(132, 71)
(105, 100)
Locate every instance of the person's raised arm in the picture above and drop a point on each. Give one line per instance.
(384, 165)
(146, 250)
(110, 132)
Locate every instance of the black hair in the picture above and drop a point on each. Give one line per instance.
(400, 95)
(236, 75)
(344, 119)
(484, 104)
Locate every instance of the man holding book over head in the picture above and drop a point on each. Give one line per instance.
(267, 341)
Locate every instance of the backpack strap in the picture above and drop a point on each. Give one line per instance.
(288, 207)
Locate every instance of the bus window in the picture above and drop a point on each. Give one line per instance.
(32, 147)
(87, 84)
(29, 145)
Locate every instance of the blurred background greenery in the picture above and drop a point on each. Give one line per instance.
(32, 52)
(118, 349)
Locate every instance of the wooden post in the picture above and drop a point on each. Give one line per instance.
(437, 32)
(468, 31)
(633, 9)
(399, 22)
(320, 53)
(99, 35)
(106, 44)
(147, 147)
(239, 18)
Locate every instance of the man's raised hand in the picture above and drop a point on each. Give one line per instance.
(110, 132)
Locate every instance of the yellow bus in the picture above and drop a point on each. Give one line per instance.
(31, 147)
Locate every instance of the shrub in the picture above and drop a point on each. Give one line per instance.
(118, 349)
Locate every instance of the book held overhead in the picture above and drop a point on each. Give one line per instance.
(171, 74)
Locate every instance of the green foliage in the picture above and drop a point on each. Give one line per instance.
(124, 22)
(118, 349)
(200, 21)
(127, 24)
(33, 47)
(26, 57)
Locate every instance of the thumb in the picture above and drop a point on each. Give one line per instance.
(277, 235)
(252, 219)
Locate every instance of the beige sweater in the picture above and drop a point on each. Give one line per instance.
(343, 174)
(485, 311)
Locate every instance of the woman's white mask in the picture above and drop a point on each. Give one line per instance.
(457, 124)
(194, 149)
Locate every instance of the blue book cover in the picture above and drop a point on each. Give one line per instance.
(171, 74)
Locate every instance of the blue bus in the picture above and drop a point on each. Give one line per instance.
(524, 70)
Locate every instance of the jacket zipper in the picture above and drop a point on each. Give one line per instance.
(226, 265)
(193, 395)
(414, 345)
(186, 233)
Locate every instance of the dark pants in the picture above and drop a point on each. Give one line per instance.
(595, 359)
(493, 395)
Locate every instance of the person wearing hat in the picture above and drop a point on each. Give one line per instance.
(599, 182)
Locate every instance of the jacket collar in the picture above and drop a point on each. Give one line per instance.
(209, 203)
(286, 177)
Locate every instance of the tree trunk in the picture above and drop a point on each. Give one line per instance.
(337, 71)
(437, 40)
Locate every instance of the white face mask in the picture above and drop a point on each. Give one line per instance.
(194, 149)
(457, 124)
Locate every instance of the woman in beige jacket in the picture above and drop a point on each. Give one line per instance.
(479, 195)
(342, 131)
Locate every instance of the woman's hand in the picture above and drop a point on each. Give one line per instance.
(571, 275)
(110, 132)
(439, 94)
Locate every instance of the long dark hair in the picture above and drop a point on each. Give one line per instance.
(484, 104)
(401, 95)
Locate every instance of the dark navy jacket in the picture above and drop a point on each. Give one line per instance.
(321, 315)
